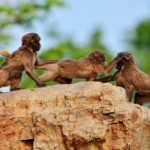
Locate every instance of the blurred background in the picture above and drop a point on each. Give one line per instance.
(71, 29)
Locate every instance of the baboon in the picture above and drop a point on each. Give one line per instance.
(132, 79)
(87, 68)
(21, 60)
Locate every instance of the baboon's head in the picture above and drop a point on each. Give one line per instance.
(126, 60)
(32, 40)
(98, 56)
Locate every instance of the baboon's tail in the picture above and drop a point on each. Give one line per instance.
(5, 53)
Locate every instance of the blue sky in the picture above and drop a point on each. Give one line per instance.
(115, 17)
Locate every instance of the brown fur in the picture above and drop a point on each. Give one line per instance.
(21, 60)
(132, 79)
(86, 68)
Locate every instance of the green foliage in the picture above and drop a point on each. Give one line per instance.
(140, 37)
(1, 60)
(25, 12)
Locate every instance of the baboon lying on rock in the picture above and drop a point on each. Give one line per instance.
(21, 60)
(132, 79)
(87, 68)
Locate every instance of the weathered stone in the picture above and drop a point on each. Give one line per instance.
(81, 116)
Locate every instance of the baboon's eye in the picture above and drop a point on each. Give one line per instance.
(95, 53)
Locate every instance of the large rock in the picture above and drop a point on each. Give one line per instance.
(82, 116)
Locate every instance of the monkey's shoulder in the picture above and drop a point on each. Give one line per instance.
(25, 51)
(18, 55)
(25, 48)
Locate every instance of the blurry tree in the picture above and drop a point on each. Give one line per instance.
(138, 41)
(22, 14)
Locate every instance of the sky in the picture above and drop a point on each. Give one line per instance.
(115, 17)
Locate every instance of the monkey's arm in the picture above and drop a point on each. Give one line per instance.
(40, 62)
(43, 62)
(28, 63)
(106, 79)
(130, 92)
(112, 64)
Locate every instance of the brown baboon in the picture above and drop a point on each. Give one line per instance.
(132, 79)
(21, 60)
(87, 68)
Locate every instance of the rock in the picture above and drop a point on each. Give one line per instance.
(81, 116)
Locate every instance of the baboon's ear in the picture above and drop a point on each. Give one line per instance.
(95, 53)
(128, 56)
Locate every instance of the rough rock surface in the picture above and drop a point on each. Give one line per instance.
(81, 116)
